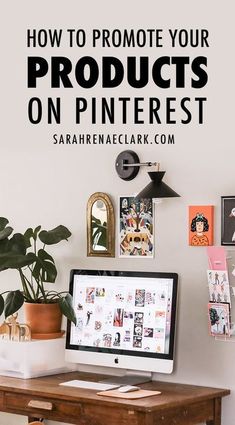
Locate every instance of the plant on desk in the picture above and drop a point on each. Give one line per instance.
(36, 267)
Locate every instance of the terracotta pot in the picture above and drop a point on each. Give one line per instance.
(44, 320)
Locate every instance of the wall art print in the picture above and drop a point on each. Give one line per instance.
(228, 220)
(136, 227)
(218, 283)
(219, 319)
(201, 225)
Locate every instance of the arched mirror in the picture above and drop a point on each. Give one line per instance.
(100, 226)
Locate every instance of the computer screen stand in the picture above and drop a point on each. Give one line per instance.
(130, 378)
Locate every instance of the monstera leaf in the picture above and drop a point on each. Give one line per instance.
(16, 261)
(44, 267)
(66, 307)
(13, 253)
(4, 231)
(4, 245)
(14, 301)
(31, 234)
(35, 267)
(54, 236)
(3, 222)
(17, 244)
(1, 304)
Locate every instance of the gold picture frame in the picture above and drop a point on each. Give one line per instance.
(100, 226)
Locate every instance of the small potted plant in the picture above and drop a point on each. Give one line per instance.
(36, 268)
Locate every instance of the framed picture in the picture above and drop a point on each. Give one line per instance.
(219, 289)
(228, 220)
(201, 225)
(219, 319)
(136, 227)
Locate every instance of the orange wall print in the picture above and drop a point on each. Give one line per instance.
(201, 225)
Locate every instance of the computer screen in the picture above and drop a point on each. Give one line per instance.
(126, 319)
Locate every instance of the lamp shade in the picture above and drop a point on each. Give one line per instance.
(157, 188)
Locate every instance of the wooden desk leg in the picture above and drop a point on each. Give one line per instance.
(217, 413)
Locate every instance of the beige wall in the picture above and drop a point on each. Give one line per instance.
(50, 185)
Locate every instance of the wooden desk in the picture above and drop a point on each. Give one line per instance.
(43, 398)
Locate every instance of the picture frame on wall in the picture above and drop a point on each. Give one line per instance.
(219, 319)
(136, 227)
(227, 220)
(201, 225)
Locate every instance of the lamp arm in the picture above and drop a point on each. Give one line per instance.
(140, 164)
(128, 164)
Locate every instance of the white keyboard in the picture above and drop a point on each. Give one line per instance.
(89, 385)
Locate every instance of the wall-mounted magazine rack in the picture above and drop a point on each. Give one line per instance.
(221, 285)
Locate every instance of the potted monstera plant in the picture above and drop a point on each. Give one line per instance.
(28, 254)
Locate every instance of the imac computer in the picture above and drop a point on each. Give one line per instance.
(125, 320)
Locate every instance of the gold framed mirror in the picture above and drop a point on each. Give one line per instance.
(100, 226)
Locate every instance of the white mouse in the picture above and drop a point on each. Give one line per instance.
(127, 389)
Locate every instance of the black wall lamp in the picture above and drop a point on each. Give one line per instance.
(128, 165)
